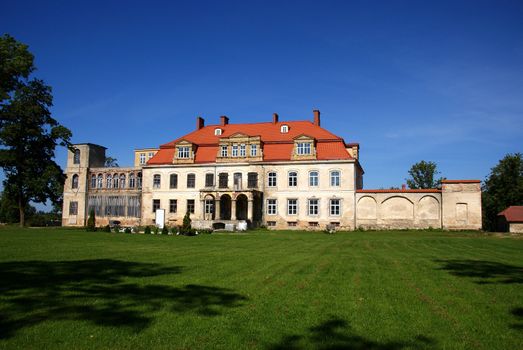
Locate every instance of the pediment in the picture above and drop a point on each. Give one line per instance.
(238, 135)
(303, 137)
(183, 142)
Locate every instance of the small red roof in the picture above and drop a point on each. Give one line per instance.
(427, 190)
(513, 213)
(277, 146)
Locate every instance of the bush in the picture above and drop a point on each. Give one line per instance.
(127, 230)
(189, 232)
(107, 228)
(175, 229)
(116, 229)
(156, 230)
(186, 227)
(91, 227)
(165, 230)
(205, 232)
(147, 230)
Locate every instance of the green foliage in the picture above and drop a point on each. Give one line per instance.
(186, 226)
(502, 188)
(9, 212)
(110, 162)
(156, 230)
(91, 221)
(28, 133)
(165, 230)
(147, 230)
(128, 230)
(423, 175)
(107, 228)
(116, 229)
(175, 229)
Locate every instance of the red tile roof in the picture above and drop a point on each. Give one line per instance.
(460, 181)
(513, 213)
(277, 146)
(428, 190)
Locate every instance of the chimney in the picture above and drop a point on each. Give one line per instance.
(274, 118)
(316, 113)
(403, 187)
(224, 120)
(200, 123)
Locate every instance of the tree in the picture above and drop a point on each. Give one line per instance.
(9, 209)
(28, 133)
(111, 162)
(91, 221)
(422, 176)
(502, 188)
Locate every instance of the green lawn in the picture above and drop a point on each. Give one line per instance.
(271, 290)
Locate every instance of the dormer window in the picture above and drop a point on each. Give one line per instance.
(217, 132)
(184, 152)
(304, 148)
(284, 129)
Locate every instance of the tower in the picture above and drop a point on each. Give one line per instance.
(79, 161)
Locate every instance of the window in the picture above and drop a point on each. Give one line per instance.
(156, 205)
(142, 158)
(334, 207)
(271, 223)
(254, 150)
(109, 181)
(293, 179)
(115, 180)
(209, 180)
(237, 180)
(151, 154)
(173, 205)
(217, 132)
(73, 208)
(292, 206)
(100, 181)
(209, 206)
(190, 206)
(272, 207)
(93, 181)
(272, 179)
(335, 178)
(157, 181)
(252, 180)
(139, 180)
(313, 224)
(223, 179)
(235, 150)
(131, 181)
(122, 181)
(292, 223)
(191, 181)
(284, 129)
(76, 156)
(313, 207)
(313, 178)
(304, 148)
(224, 151)
(242, 150)
(183, 152)
(173, 181)
(74, 181)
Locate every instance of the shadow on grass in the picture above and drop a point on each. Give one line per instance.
(98, 291)
(335, 333)
(517, 312)
(485, 272)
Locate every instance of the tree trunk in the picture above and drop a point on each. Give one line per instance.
(21, 208)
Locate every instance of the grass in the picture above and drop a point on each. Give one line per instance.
(65, 289)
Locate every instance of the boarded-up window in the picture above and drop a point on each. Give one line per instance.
(462, 212)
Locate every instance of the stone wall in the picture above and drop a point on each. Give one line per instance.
(461, 204)
(516, 227)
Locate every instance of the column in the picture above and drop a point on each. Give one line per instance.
(233, 209)
(202, 203)
(250, 212)
(217, 209)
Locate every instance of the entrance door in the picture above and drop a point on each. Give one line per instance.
(225, 207)
(241, 207)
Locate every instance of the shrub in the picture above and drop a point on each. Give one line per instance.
(205, 232)
(116, 228)
(91, 222)
(107, 228)
(186, 227)
(165, 230)
(156, 230)
(127, 230)
(175, 229)
(147, 230)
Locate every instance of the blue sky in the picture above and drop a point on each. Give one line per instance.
(408, 80)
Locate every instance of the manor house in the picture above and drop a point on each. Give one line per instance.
(281, 174)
